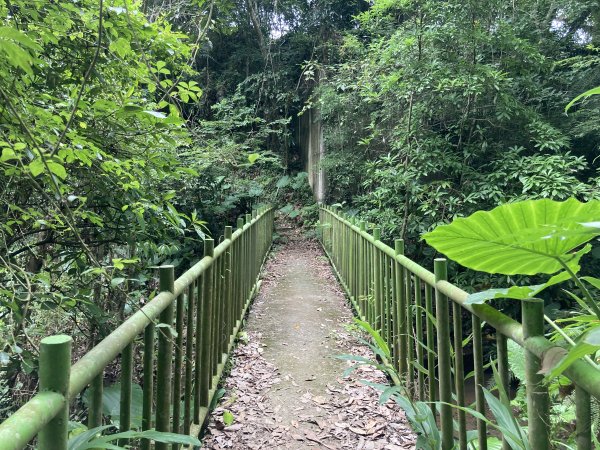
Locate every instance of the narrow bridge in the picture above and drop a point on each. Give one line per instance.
(185, 335)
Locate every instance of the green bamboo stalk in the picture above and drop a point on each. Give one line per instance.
(410, 340)
(459, 375)
(229, 309)
(420, 342)
(479, 380)
(164, 357)
(503, 371)
(583, 432)
(443, 337)
(388, 304)
(401, 313)
(54, 373)
(362, 278)
(125, 400)
(215, 327)
(217, 305)
(395, 344)
(431, 340)
(377, 276)
(206, 327)
(177, 370)
(95, 410)
(148, 393)
(537, 392)
(238, 274)
(188, 395)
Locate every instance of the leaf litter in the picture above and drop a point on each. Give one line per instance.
(285, 389)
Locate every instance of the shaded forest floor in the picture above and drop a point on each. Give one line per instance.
(286, 390)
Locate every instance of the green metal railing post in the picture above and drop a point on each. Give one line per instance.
(54, 372)
(445, 370)
(164, 358)
(537, 392)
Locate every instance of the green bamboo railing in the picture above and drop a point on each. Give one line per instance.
(205, 306)
(411, 308)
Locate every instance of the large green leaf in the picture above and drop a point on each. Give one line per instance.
(587, 344)
(528, 237)
(517, 292)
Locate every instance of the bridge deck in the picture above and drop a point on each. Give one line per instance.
(286, 389)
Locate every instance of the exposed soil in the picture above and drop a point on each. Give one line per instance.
(286, 389)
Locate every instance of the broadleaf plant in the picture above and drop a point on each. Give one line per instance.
(529, 238)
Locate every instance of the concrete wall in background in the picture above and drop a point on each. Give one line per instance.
(312, 148)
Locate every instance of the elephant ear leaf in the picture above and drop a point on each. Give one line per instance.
(528, 238)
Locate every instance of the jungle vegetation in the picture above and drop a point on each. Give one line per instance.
(131, 129)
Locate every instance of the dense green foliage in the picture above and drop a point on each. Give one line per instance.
(130, 130)
(91, 126)
(443, 108)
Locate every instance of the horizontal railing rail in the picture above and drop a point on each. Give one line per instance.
(187, 333)
(411, 306)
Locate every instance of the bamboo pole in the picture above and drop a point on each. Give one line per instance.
(54, 372)
(164, 363)
(537, 393)
(479, 380)
(445, 375)
(125, 400)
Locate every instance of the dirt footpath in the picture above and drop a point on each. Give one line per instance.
(286, 389)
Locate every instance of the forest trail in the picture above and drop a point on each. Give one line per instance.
(286, 389)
